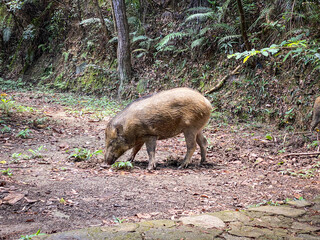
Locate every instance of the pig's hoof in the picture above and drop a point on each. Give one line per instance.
(184, 165)
(150, 168)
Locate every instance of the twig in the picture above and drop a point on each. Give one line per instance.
(301, 154)
(318, 141)
(223, 80)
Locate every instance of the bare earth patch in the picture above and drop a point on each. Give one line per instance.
(53, 193)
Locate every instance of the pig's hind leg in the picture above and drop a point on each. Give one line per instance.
(202, 142)
(190, 137)
(134, 152)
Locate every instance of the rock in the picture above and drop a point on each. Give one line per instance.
(304, 227)
(59, 214)
(183, 232)
(246, 231)
(308, 237)
(257, 232)
(316, 199)
(279, 210)
(230, 237)
(299, 203)
(231, 216)
(316, 207)
(272, 222)
(204, 221)
(126, 227)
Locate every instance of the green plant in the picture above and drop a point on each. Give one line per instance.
(297, 48)
(267, 202)
(16, 157)
(22, 108)
(40, 121)
(6, 103)
(36, 153)
(122, 165)
(24, 133)
(269, 137)
(294, 199)
(7, 172)
(5, 129)
(80, 154)
(314, 144)
(28, 237)
(303, 173)
(118, 220)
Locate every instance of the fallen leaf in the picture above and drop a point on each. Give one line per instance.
(62, 201)
(143, 215)
(204, 196)
(30, 200)
(64, 146)
(57, 130)
(13, 198)
(154, 213)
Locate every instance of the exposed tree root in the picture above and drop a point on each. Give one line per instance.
(223, 80)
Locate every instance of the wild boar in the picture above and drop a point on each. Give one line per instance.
(316, 114)
(160, 116)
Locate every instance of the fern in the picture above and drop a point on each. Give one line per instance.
(89, 21)
(203, 31)
(201, 16)
(140, 38)
(264, 13)
(223, 10)
(168, 38)
(199, 9)
(114, 39)
(228, 38)
(227, 28)
(199, 42)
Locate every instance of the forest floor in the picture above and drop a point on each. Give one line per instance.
(49, 191)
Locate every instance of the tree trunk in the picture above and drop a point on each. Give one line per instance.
(243, 26)
(123, 52)
(80, 17)
(105, 30)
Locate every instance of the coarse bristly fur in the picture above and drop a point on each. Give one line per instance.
(316, 114)
(160, 116)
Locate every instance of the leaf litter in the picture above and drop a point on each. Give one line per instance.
(63, 195)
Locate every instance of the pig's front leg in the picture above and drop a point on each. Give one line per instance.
(151, 143)
(135, 150)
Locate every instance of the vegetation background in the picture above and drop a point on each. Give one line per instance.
(260, 59)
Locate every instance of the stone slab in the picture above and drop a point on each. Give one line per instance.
(231, 216)
(299, 203)
(279, 210)
(204, 221)
(305, 227)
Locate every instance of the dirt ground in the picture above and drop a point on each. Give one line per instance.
(54, 193)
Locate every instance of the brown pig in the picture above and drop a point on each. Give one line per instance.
(316, 114)
(160, 116)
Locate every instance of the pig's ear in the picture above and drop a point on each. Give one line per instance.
(119, 129)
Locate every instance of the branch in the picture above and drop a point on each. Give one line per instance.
(301, 154)
(223, 80)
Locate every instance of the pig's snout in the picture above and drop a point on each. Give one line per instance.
(109, 158)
